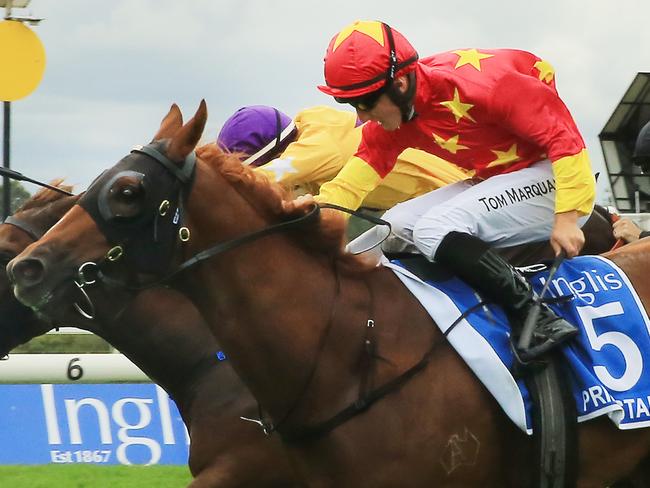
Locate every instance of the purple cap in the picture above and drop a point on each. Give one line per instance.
(259, 131)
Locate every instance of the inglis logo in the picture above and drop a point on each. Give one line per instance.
(126, 424)
(586, 287)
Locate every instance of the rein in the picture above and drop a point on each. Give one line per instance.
(184, 176)
(269, 428)
(202, 255)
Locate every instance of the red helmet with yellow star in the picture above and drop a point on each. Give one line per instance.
(364, 57)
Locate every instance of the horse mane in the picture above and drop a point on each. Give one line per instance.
(45, 196)
(326, 236)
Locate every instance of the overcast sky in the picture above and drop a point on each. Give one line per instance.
(114, 67)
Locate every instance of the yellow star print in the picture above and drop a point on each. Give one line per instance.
(450, 144)
(458, 108)
(505, 157)
(470, 56)
(372, 28)
(546, 71)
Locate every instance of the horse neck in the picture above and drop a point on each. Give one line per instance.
(163, 334)
(268, 302)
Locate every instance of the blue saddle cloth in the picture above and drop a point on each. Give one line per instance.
(607, 360)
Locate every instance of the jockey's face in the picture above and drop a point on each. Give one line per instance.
(386, 113)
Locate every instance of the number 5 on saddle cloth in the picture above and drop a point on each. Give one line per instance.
(606, 360)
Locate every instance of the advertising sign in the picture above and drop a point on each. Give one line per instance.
(91, 424)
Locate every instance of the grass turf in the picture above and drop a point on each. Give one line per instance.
(85, 476)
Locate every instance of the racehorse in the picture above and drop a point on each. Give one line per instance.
(316, 334)
(163, 334)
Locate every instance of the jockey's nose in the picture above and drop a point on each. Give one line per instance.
(26, 272)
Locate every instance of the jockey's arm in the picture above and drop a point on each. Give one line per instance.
(545, 120)
(348, 189)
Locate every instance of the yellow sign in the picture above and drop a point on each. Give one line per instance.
(22, 60)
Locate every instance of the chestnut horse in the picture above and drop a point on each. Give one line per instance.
(163, 334)
(314, 333)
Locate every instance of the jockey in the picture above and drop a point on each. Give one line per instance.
(495, 112)
(641, 156)
(310, 150)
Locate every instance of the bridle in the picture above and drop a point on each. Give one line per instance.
(172, 193)
(178, 190)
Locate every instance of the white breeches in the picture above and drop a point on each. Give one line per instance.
(503, 210)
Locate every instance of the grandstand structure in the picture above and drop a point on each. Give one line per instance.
(630, 187)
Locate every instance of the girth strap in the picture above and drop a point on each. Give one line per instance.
(307, 433)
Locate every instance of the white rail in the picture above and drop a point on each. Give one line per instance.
(70, 368)
(69, 330)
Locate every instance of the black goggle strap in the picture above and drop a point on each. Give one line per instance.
(278, 128)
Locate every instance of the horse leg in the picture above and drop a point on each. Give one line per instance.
(222, 477)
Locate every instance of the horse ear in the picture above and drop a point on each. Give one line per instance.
(187, 137)
(170, 123)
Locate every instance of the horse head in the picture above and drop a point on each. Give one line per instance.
(133, 206)
(18, 324)
(135, 218)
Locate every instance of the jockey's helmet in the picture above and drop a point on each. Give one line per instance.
(641, 154)
(259, 131)
(366, 56)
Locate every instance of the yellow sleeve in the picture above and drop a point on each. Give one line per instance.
(575, 185)
(351, 185)
(304, 161)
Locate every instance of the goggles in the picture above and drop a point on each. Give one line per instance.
(365, 102)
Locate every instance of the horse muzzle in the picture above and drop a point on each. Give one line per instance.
(33, 280)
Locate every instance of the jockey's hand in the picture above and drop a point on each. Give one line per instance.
(626, 229)
(301, 205)
(566, 234)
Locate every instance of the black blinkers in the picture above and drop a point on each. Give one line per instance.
(138, 203)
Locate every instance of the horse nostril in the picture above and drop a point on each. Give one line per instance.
(26, 272)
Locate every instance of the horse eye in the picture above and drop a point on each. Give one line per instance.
(128, 192)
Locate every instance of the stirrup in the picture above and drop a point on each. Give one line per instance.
(548, 345)
(523, 365)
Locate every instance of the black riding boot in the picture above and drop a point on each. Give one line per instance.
(474, 262)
